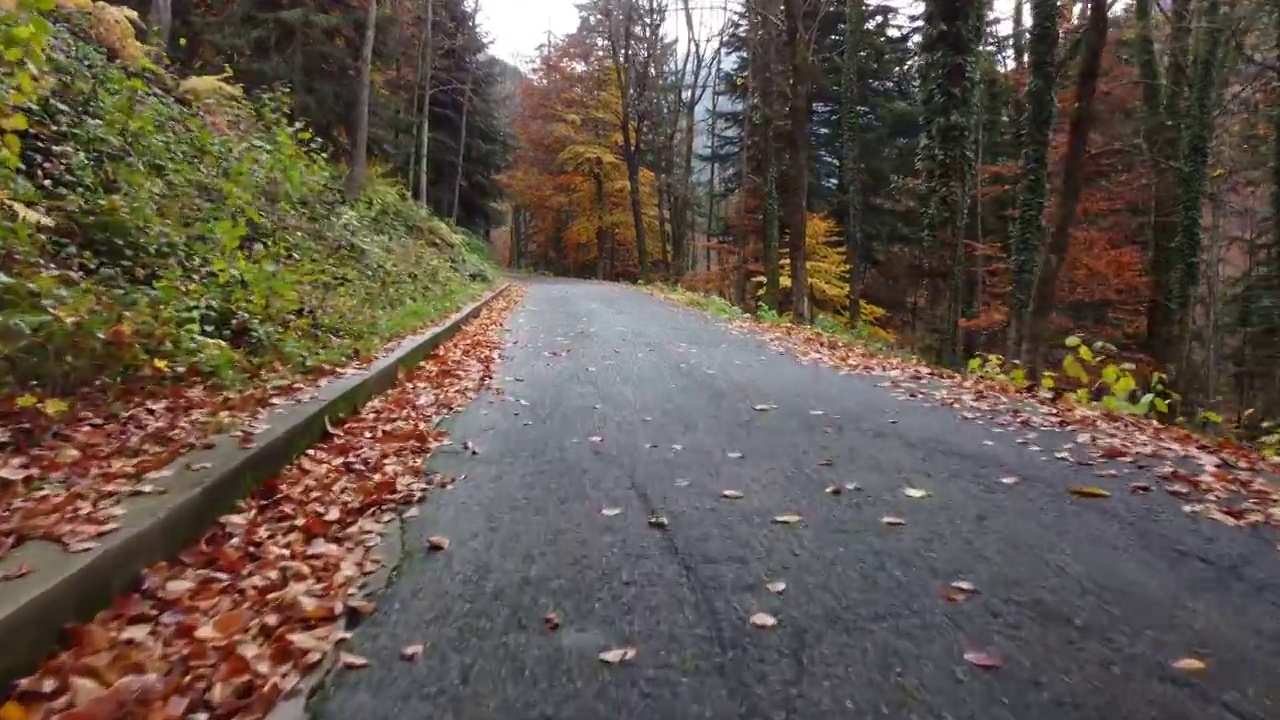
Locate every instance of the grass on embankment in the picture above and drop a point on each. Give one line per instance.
(160, 230)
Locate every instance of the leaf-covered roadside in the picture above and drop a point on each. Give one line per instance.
(231, 626)
(1215, 477)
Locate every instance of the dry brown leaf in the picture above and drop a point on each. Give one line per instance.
(410, 653)
(595, 439)
(834, 490)
(776, 587)
(22, 570)
(658, 521)
(617, 655)
(1189, 664)
(916, 493)
(964, 586)
(552, 621)
(353, 661)
(763, 408)
(763, 620)
(893, 521)
(983, 659)
(410, 513)
(1088, 491)
(732, 494)
(734, 455)
(1010, 480)
(611, 511)
(437, 543)
(788, 519)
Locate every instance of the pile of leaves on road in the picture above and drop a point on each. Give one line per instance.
(1217, 478)
(232, 625)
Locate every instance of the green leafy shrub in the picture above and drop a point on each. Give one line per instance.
(208, 236)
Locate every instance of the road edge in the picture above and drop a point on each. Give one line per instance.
(205, 484)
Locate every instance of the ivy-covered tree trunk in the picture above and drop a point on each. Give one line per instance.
(1164, 102)
(948, 67)
(800, 109)
(1037, 125)
(1193, 172)
(851, 141)
(1054, 253)
(354, 181)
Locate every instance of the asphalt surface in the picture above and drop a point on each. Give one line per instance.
(1086, 601)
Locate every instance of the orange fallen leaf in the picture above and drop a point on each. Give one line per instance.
(776, 587)
(437, 543)
(892, 521)
(732, 494)
(22, 570)
(763, 620)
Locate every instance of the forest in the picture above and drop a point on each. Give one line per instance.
(985, 180)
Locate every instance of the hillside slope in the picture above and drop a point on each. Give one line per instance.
(158, 230)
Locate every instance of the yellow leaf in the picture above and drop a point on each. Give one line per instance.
(54, 407)
(11, 710)
(1088, 491)
(26, 401)
(14, 123)
(161, 365)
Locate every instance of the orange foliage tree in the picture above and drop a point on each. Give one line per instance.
(568, 176)
(1103, 289)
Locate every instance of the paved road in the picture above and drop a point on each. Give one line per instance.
(1086, 601)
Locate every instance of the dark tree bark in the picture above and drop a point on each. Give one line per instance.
(354, 181)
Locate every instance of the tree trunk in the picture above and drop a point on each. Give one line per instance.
(424, 130)
(462, 148)
(354, 181)
(764, 56)
(1041, 99)
(851, 140)
(601, 250)
(797, 205)
(1053, 254)
(160, 19)
(1193, 173)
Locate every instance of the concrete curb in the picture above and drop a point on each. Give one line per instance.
(72, 587)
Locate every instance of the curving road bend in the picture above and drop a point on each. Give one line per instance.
(1086, 602)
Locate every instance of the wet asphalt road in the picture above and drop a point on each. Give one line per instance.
(1086, 601)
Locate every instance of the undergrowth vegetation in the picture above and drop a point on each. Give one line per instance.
(156, 228)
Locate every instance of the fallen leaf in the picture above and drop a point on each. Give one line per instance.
(852, 487)
(22, 570)
(1189, 664)
(611, 511)
(197, 467)
(734, 455)
(330, 428)
(80, 546)
(617, 655)
(893, 521)
(763, 408)
(1010, 480)
(763, 620)
(552, 621)
(1139, 488)
(658, 521)
(1088, 491)
(437, 543)
(410, 513)
(353, 661)
(776, 587)
(595, 439)
(826, 462)
(681, 482)
(788, 519)
(409, 653)
(955, 596)
(917, 493)
(13, 710)
(817, 412)
(731, 494)
(834, 489)
(982, 659)
(964, 586)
